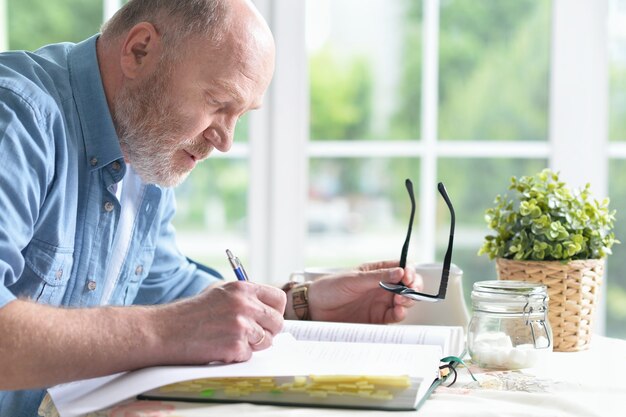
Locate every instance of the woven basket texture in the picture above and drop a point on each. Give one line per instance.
(573, 288)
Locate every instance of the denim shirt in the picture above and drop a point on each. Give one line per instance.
(59, 157)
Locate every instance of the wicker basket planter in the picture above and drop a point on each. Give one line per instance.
(573, 287)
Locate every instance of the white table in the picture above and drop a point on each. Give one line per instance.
(582, 384)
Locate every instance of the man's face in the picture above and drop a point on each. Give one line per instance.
(175, 116)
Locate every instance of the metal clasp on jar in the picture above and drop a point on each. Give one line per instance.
(528, 311)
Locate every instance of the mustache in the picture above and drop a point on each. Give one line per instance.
(200, 149)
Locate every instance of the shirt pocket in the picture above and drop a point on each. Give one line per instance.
(140, 266)
(50, 268)
(138, 271)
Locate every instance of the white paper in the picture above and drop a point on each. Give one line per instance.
(286, 358)
(449, 338)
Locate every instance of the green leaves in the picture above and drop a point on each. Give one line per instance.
(545, 220)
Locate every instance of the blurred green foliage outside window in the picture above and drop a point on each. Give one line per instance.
(493, 75)
(35, 23)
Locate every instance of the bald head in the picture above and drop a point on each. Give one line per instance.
(178, 74)
(178, 21)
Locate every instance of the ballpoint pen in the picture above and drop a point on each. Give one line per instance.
(237, 266)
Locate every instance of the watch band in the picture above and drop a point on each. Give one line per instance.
(299, 298)
(300, 301)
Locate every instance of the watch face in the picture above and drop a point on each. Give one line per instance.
(301, 302)
(300, 296)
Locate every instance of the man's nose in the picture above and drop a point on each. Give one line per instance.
(221, 134)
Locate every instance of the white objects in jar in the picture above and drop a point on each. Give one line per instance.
(496, 350)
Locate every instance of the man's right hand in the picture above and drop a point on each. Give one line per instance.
(42, 346)
(226, 322)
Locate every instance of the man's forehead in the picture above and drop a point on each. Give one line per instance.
(235, 92)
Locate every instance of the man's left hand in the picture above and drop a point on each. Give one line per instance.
(355, 296)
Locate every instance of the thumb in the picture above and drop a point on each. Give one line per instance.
(371, 278)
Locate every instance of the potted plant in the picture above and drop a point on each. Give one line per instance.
(545, 232)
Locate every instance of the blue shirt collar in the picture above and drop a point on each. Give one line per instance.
(102, 145)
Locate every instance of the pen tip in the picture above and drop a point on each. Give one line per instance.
(229, 253)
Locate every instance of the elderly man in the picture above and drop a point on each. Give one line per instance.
(92, 138)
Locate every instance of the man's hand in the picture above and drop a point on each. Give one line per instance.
(226, 322)
(49, 345)
(356, 296)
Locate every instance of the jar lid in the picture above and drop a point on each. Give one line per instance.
(506, 287)
(509, 296)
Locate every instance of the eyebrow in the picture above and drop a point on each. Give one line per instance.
(232, 90)
(235, 93)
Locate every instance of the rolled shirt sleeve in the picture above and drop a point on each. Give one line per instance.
(24, 158)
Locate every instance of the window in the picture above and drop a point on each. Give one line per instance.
(386, 104)
(54, 21)
(462, 92)
(212, 206)
(616, 283)
(369, 92)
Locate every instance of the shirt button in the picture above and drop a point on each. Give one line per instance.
(93, 161)
(58, 274)
(138, 270)
(116, 166)
(108, 206)
(91, 285)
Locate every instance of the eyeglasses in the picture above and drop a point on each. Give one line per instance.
(402, 289)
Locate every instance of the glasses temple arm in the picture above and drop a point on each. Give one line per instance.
(405, 247)
(445, 272)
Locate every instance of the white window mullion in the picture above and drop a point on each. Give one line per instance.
(579, 99)
(288, 163)
(444, 149)
(4, 27)
(430, 100)
(258, 211)
(579, 92)
(109, 7)
(617, 150)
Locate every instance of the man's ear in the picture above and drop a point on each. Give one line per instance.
(141, 50)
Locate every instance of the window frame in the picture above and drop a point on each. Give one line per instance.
(279, 148)
(577, 136)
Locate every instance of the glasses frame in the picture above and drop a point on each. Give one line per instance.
(402, 289)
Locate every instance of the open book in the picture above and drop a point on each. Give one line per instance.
(310, 363)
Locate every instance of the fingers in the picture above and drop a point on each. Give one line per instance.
(372, 266)
(258, 312)
(402, 301)
(271, 296)
(264, 307)
(267, 315)
(408, 276)
(393, 313)
(412, 279)
(392, 274)
(262, 340)
(365, 280)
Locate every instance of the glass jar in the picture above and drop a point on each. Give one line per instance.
(509, 327)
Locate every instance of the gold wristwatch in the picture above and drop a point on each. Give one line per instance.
(299, 298)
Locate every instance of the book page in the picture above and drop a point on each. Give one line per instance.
(449, 338)
(348, 358)
(287, 357)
